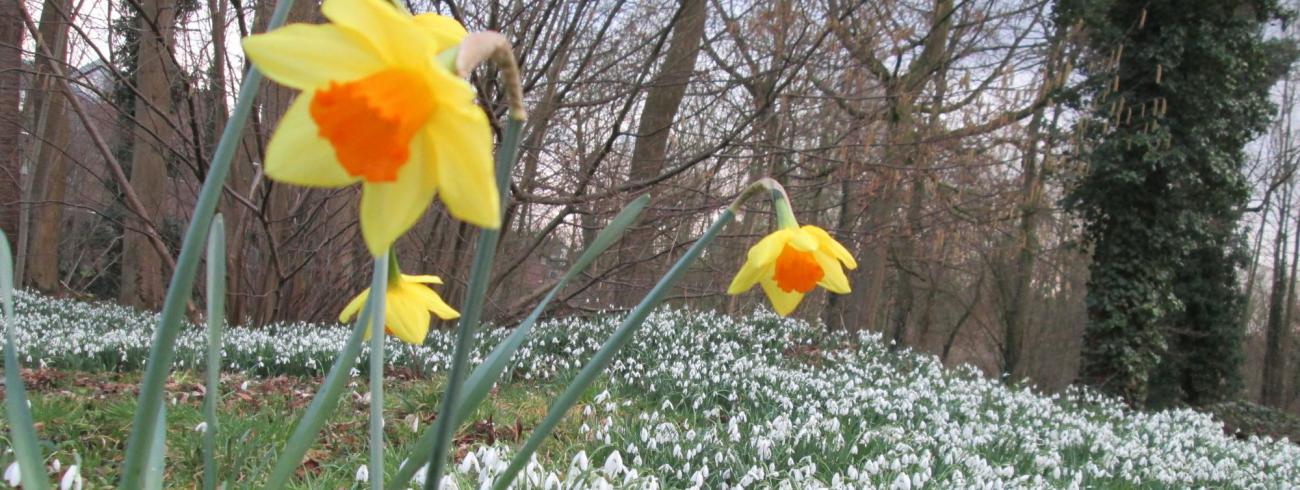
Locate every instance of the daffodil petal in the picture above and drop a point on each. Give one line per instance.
(445, 30)
(390, 209)
(422, 279)
(417, 330)
(298, 155)
(830, 245)
(430, 300)
(766, 250)
(462, 142)
(350, 311)
(749, 274)
(392, 33)
(802, 240)
(407, 320)
(782, 302)
(442, 309)
(309, 56)
(833, 278)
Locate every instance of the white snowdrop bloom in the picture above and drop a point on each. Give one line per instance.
(469, 464)
(613, 464)
(201, 428)
(56, 465)
(363, 474)
(420, 476)
(552, 482)
(13, 476)
(71, 479)
(580, 461)
(902, 482)
(448, 483)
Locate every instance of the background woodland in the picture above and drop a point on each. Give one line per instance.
(1052, 191)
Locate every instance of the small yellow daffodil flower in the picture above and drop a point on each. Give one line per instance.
(377, 108)
(791, 262)
(406, 308)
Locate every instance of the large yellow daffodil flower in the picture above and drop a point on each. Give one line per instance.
(791, 262)
(407, 305)
(376, 108)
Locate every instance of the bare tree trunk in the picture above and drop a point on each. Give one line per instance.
(1025, 249)
(661, 106)
(51, 164)
(278, 198)
(11, 67)
(142, 267)
(1271, 391)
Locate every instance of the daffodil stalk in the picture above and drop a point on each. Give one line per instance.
(377, 378)
(216, 276)
(475, 49)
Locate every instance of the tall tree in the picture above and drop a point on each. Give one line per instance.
(50, 179)
(662, 103)
(142, 267)
(1179, 87)
(11, 64)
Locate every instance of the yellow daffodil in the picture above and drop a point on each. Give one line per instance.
(406, 308)
(377, 108)
(791, 262)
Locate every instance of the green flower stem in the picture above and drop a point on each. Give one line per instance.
(471, 313)
(22, 433)
(216, 319)
(377, 334)
(781, 204)
(479, 383)
(326, 400)
(780, 200)
(394, 270)
(157, 464)
(601, 359)
(162, 351)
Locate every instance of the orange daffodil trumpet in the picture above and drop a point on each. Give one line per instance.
(377, 107)
(407, 307)
(793, 260)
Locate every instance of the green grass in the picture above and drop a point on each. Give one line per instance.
(84, 419)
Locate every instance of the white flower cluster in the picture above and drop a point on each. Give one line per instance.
(480, 469)
(701, 400)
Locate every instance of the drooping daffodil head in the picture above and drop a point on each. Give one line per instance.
(376, 107)
(407, 308)
(791, 262)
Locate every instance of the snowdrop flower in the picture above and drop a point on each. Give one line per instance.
(71, 479)
(13, 476)
(363, 474)
(613, 464)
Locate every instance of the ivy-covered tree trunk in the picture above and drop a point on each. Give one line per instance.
(1179, 87)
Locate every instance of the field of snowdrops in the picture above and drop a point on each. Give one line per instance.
(700, 400)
